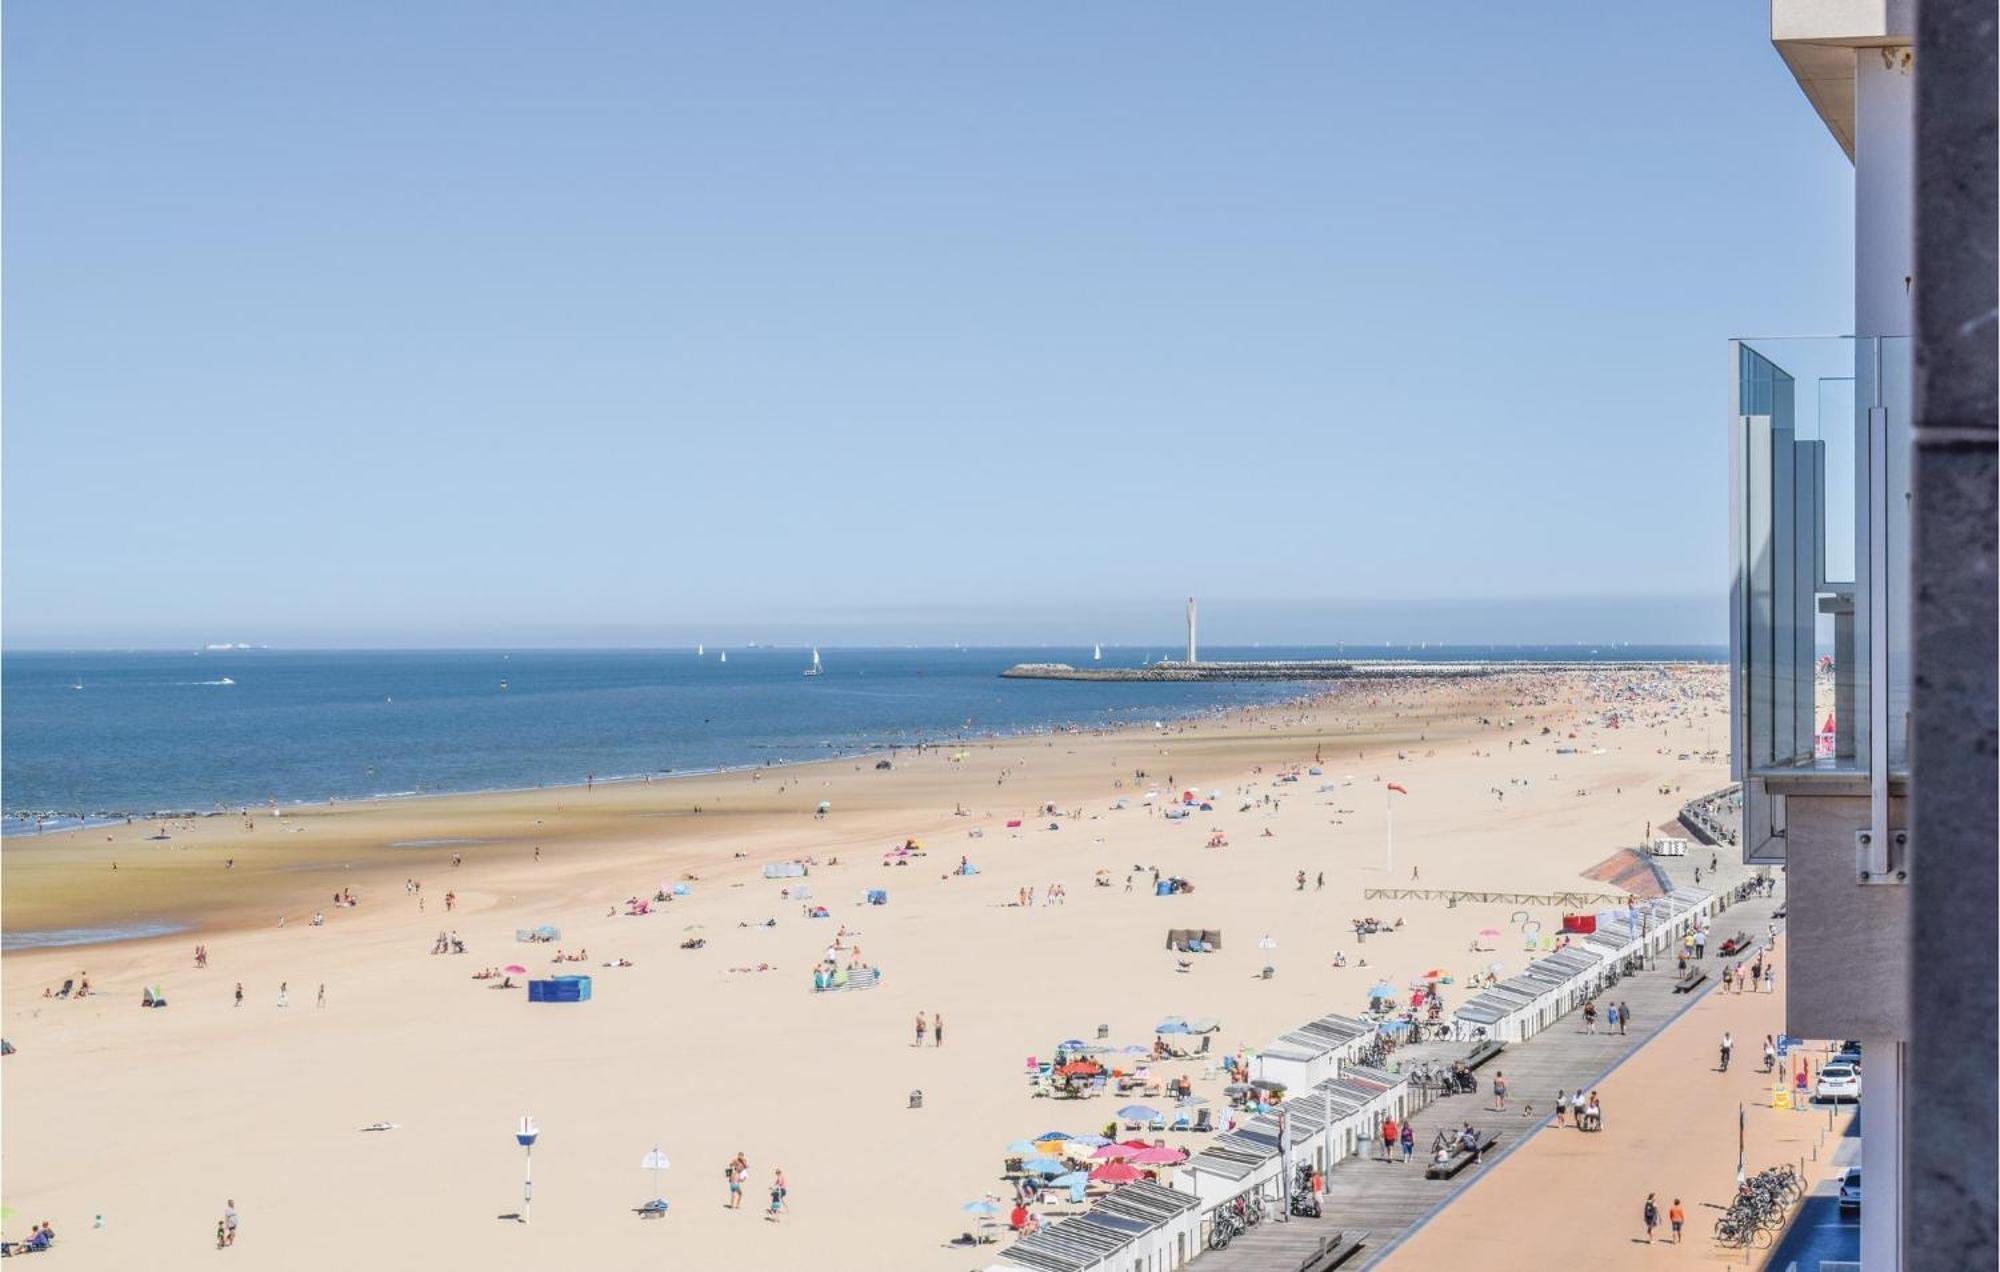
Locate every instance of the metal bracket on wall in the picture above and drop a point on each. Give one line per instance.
(1882, 863)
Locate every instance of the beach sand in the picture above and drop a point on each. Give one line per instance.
(152, 1119)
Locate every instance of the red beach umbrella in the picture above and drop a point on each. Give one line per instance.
(515, 969)
(1116, 1173)
(1113, 1153)
(1158, 1156)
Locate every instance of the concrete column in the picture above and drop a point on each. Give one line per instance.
(1884, 191)
(1882, 1171)
(1954, 1176)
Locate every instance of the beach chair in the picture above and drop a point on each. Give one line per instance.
(1157, 1124)
(1180, 1123)
(1203, 1121)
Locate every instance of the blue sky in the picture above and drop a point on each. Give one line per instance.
(508, 323)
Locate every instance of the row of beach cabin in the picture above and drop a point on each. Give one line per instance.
(1522, 1006)
(1334, 1109)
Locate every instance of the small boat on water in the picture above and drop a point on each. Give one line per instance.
(1097, 653)
(723, 656)
(815, 669)
(503, 684)
(701, 651)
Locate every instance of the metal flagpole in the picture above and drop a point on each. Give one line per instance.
(1389, 831)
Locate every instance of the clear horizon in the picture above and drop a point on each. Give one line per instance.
(393, 328)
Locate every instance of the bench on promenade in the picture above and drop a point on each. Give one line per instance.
(1463, 1157)
(1483, 1052)
(1687, 983)
(1735, 945)
(1334, 1251)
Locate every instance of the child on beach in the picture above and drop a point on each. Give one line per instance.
(777, 1195)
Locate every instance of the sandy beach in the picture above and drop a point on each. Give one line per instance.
(153, 1119)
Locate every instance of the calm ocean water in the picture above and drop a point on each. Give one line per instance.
(107, 734)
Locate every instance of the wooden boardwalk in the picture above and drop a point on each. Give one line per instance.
(1389, 1199)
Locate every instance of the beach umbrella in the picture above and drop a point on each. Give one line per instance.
(1057, 1136)
(1087, 1141)
(1112, 1153)
(1158, 1156)
(1081, 1069)
(984, 1206)
(1024, 1148)
(1134, 1049)
(1169, 1020)
(1046, 1167)
(1236, 1088)
(1436, 973)
(655, 1161)
(1267, 942)
(1075, 1179)
(1489, 934)
(1052, 1148)
(1073, 1044)
(1382, 989)
(1116, 1173)
(515, 969)
(1173, 1026)
(1205, 1024)
(1494, 967)
(1138, 1113)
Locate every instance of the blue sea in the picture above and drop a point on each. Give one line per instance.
(90, 736)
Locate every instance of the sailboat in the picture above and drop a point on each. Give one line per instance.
(1097, 653)
(815, 669)
(723, 656)
(700, 651)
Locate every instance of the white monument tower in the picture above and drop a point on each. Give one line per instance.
(1190, 654)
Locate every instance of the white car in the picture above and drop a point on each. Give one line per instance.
(1837, 1082)
(1850, 1189)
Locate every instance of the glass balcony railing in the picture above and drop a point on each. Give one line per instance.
(1819, 645)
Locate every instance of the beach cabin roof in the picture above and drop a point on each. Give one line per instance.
(1098, 1235)
(1234, 1154)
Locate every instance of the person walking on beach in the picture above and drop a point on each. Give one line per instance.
(1409, 1141)
(1624, 1016)
(321, 1000)
(1675, 1218)
(1652, 1217)
(735, 1172)
(229, 1222)
(239, 993)
(1500, 1092)
(1728, 1045)
(284, 993)
(777, 1195)
(1562, 1105)
(1770, 1053)
(1388, 1138)
(923, 1026)
(937, 1029)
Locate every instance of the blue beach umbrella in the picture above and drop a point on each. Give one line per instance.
(1053, 1135)
(1027, 1147)
(1172, 1024)
(981, 1207)
(1075, 1179)
(1089, 1141)
(1047, 1167)
(1138, 1113)
(1382, 989)
(1072, 1044)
